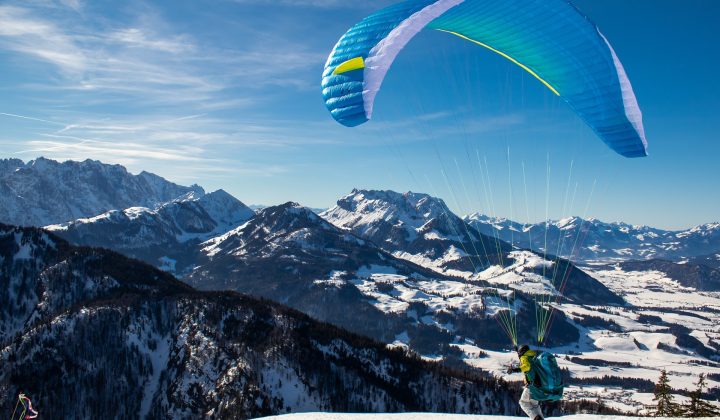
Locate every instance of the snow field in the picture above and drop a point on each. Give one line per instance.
(434, 416)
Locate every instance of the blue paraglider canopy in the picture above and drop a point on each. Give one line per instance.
(549, 39)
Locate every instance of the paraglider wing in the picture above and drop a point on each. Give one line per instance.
(549, 39)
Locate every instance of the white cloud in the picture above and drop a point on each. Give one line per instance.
(21, 32)
(149, 63)
(141, 93)
(139, 38)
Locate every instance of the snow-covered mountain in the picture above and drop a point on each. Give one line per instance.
(41, 275)
(418, 228)
(289, 254)
(592, 240)
(421, 229)
(125, 340)
(43, 192)
(74, 316)
(166, 236)
(403, 269)
(619, 344)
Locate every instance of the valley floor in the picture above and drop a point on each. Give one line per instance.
(432, 416)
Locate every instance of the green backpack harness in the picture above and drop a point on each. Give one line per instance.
(546, 383)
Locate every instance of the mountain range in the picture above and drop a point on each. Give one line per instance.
(591, 240)
(43, 191)
(166, 236)
(402, 269)
(291, 255)
(90, 333)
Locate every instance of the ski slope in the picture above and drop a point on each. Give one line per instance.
(434, 416)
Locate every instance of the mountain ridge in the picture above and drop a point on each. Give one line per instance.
(166, 236)
(592, 240)
(181, 353)
(401, 268)
(43, 191)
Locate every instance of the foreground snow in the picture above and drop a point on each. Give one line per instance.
(431, 416)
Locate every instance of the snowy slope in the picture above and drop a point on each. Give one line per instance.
(668, 321)
(601, 241)
(622, 350)
(182, 219)
(421, 229)
(435, 416)
(394, 267)
(179, 353)
(166, 236)
(42, 275)
(696, 274)
(289, 254)
(43, 192)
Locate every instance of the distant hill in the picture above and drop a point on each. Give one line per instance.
(167, 236)
(592, 240)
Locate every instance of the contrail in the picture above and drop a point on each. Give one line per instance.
(32, 119)
(189, 117)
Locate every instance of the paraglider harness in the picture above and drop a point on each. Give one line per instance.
(544, 378)
(27, 412)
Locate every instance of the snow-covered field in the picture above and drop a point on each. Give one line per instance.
(635, 348)
(640, 349)
(433, 416)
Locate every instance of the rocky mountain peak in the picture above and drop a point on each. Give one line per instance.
(291, 216)
(370, 211)
(44, 191)
(369, 201)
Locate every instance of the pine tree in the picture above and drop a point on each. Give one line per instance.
(664, 404)
(697, 407)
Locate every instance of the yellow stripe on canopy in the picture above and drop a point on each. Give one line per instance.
(524, 67)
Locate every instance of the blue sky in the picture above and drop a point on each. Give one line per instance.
(226, 94)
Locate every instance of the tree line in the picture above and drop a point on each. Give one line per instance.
(696, 406)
